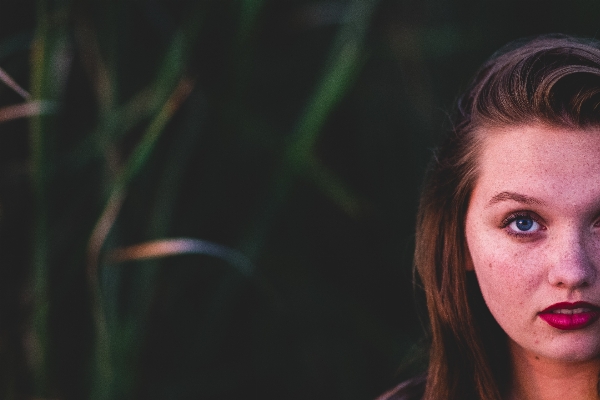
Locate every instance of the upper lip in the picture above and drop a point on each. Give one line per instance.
(570, 306)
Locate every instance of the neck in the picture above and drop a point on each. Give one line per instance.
(538, 378)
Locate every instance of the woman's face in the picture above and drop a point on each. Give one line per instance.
(533, 232)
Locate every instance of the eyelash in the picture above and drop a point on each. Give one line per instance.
(518, 215)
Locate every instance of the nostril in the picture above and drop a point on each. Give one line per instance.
(573, 270)
(572, 254)
(577, 284)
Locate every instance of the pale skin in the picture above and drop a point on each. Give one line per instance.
(533, 232)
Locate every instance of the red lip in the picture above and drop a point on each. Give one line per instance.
(570, 322)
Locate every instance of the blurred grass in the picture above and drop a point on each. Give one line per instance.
(299, 158)
(49, 60)
(117, 159)
(117, 342)
(216, 198)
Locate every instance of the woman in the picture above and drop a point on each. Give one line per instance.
(508, 232)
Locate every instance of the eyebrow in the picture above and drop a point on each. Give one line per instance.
(520, 198)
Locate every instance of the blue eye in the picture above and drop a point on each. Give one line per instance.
(522, 224)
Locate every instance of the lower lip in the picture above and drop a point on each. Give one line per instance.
(569, 322)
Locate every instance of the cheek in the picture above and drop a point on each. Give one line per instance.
(505, 277)
(508, 272)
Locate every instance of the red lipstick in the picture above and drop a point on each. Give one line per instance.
(570, 316)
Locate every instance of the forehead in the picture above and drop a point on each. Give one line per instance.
(543, 160)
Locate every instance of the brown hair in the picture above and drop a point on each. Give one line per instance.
(550, 80)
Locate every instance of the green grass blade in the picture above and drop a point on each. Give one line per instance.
(103, 386)
(338, 75)
(49, 56)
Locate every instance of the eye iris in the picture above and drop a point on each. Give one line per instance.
(524, 224)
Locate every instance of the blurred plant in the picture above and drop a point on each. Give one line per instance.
(114, 175)
(52, 54)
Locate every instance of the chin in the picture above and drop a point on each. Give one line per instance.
(573, 349)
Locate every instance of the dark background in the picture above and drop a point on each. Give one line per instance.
(298, 138)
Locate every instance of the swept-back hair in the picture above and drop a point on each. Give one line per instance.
(549, 81)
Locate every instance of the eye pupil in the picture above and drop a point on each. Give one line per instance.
(524, 224)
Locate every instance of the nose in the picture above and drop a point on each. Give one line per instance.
(573, 265)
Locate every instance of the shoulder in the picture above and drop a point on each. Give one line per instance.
(411, 389)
